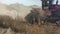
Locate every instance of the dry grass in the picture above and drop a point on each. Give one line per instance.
(26, 28)
(35, 29)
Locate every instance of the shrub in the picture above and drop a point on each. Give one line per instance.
(5, 21)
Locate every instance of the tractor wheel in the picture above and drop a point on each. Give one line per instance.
(58, 23)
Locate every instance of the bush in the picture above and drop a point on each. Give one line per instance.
(33, 16)
(5, 21)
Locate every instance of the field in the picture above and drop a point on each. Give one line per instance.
(21, 27)
(10, 25)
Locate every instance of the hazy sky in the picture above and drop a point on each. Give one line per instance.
(25, 2)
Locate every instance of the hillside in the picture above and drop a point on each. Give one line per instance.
(14, 9)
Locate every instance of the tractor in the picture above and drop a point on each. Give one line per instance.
(53, 9)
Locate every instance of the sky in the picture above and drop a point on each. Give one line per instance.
(24, 2)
